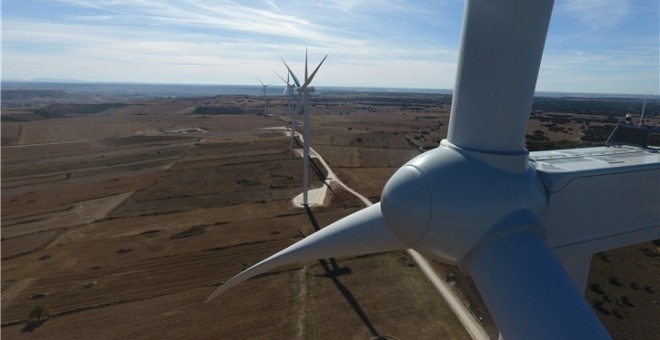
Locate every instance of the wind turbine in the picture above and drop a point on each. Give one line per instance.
(304, 93)
(524, 226)
(292, 114)
(264, 93)
(641, 117)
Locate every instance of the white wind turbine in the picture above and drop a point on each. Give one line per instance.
(523, 225)
(264, 94)
(304, 93)
(293, 115)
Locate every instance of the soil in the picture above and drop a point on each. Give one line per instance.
(197, 198)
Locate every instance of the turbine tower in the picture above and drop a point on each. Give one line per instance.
(264, 94)
(523, 226)
(304, 93)
(292, 114)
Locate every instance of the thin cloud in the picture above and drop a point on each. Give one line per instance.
(581, 71)
(370, 43)
(595, 14)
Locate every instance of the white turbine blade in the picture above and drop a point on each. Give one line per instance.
(501, 49)
(293, 75)
(309, 80)
(305, 64)
(278, 76)
(528, 293)
(286, 89)
(262, 83)
(363, 232)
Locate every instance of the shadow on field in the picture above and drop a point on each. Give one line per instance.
(333, 271)
(321, 177)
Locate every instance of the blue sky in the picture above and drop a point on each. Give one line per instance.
(598, 46)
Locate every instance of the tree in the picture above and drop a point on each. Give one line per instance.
(35, 317)
(38, 312)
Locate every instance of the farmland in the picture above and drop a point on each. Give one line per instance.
(124, 219)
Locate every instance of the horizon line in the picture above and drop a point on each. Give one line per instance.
(648, 95)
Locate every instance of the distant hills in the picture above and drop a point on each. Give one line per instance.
(128, 89)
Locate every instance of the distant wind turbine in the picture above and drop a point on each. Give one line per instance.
(264, 93)
(304, 93)
(641, 117)
(293, 115)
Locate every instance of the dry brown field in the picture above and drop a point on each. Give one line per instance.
(91, 210)
(124, 221)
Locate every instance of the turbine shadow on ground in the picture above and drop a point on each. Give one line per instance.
(321, 177)
(332, 271)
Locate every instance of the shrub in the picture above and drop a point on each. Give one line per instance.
(626, 301)
(36, 317)
(594, 287)
(38, 312)
(614, 280)
(599, 306)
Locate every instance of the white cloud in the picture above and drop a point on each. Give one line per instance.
(595, 14)
(613, 71)
(370, 43)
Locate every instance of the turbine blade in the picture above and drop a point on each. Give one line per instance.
(262, 83)
(278, 76)
(305, 64)
(495, 82)
(293, 75)
(308, 81)
(363, 232)
(528, 293)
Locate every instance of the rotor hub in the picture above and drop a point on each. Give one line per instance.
(446, 201)
(407, 198)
